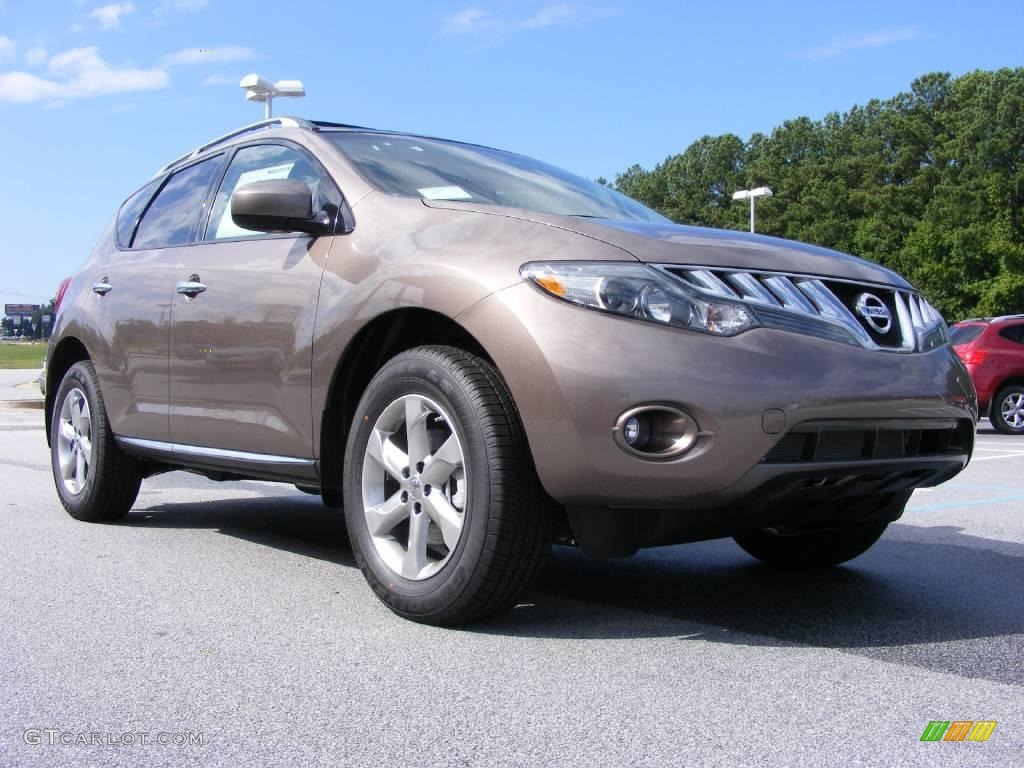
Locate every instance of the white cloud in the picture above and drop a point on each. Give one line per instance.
(35, 56)
(493, 26)
(7, 47)
(226, 53)
(109, 16)
(837, 46)
(220, 80)
(551, 15)
(79, 73)
(183, 5)
(465, 21)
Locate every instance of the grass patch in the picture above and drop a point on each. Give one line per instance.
(22, 355)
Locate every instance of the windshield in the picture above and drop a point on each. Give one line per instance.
(433, 169)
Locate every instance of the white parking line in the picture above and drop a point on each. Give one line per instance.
(1002, 456)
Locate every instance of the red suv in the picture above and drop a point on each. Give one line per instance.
(993, 350)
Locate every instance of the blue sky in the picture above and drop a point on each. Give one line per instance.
(96, 95)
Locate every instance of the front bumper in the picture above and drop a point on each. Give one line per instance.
(572, 372)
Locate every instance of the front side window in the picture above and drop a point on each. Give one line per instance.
(129, 214)
(263, 163)
(170, 218)
(432, 169)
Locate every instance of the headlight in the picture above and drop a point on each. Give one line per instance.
(641, 293)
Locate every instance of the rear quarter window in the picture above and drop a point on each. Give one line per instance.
(1013, 333)
(130, 211)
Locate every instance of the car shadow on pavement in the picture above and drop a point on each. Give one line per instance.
(917, 586)
(917, 596)
(297, 524)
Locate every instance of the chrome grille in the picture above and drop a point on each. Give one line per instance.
(824, 306)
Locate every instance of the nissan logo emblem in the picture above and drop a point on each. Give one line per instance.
(875, 313)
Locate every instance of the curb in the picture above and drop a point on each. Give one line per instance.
(19, 405)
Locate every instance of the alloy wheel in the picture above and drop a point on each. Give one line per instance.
(74, 441)
(414, 487)
(1012, 410)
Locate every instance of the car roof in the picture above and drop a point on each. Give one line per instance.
(285, 122)
(990, 320)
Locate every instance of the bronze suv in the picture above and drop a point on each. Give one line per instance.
(476, 355)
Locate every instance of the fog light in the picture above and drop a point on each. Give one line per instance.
(631, 430)
(636, 431)
(656, 432)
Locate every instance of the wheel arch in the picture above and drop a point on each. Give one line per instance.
(1011, 381)
(378, 341)
(69, 350)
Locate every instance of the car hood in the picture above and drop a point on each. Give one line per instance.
(667, 243)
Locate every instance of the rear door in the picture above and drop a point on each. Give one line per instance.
(243, 314)
(132, 291)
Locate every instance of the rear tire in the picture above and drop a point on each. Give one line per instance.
(811, 549)
(459, 520)
(1007, 414)
(95, 480)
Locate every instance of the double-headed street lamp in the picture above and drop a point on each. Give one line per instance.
(260, 89)
(751, 195)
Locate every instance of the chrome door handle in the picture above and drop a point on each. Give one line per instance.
(191, 287)
(102, 287)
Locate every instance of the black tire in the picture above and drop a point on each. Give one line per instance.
(996, 415)
(505, 530)
(113, 479)
(812, 549)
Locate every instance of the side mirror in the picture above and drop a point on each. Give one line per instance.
(277, 205)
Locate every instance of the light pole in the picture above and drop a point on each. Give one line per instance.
(752, 195)
(260, 89)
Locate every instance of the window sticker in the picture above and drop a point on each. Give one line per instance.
(444, 193)
(226, 227)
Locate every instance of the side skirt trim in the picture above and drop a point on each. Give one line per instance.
(258, 465)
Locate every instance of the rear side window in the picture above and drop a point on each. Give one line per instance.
(964, 334)
(173, 213)
(1013, 333)
(129, 214)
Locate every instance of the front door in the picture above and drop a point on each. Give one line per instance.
(242, 321)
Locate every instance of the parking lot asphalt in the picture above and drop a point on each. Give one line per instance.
(235, 611)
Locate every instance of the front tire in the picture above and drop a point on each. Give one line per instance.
(1008, 410)
(808, 550)
(95, 480)
(447, 519)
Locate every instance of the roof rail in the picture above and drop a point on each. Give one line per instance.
(1006, 317)
(280, 122)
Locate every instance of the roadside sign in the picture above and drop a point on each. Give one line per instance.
(21, 310)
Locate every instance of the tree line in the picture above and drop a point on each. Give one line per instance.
(929, 182)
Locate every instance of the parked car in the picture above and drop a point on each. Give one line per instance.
(992, 348)
(476, 354)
